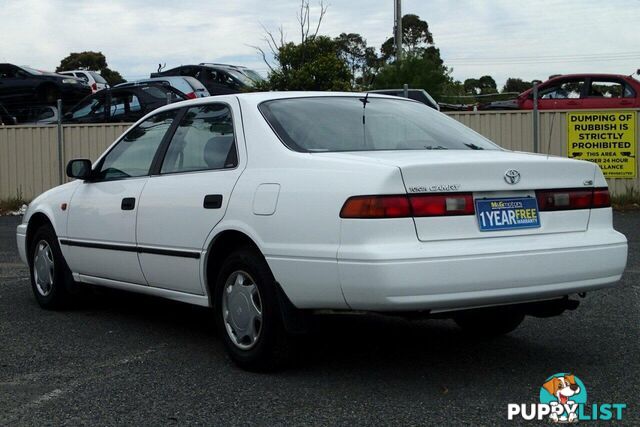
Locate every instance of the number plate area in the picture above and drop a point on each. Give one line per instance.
(507, 213)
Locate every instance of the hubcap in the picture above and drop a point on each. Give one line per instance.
(43, 268)
(242, 310)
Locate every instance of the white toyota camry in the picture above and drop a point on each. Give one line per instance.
(270, 206)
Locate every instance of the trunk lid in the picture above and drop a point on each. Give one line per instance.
(482, 172)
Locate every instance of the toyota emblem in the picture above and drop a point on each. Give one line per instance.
(512, 176)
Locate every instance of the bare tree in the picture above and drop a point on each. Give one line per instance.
(304, 19)
(275, 41)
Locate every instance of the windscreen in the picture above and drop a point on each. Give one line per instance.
(328, 124)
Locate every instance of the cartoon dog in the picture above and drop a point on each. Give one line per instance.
(563, 388)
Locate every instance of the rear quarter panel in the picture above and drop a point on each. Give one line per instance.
(300, 239)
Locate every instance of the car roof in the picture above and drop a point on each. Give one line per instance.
(256, 98)
(584, 75)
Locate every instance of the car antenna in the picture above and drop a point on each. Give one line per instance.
(364, 101)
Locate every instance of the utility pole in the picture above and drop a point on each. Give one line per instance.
(398, 29)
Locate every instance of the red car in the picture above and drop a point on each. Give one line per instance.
(584, 91)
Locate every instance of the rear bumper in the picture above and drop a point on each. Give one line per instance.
(451, 275)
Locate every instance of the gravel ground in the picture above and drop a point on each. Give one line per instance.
(128, 359)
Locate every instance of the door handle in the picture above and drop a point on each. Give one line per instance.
(128, 204)
(212, 201)
(572, 103)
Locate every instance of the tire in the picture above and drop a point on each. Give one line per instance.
(51, 279)
(489, 323)
(247, 313)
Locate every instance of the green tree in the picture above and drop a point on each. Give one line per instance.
(415, 38)
(426, 71)
(352, 50)
(516, 85)
(482, 86)
(92, 61)
(314, 64)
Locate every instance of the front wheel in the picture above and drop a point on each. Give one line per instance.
(51, 279)
(248, 314)
(489, 322)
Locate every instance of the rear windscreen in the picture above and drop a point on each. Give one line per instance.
(97, 77)
(321, 124)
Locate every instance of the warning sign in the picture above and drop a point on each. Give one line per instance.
(607, 138)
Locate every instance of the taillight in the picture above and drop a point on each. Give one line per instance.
(376, 207)
(191, 95)
(601, 198)
(442, 204)
(94, 86)
(417, 205)
(573, 198)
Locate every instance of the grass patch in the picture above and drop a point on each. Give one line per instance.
(629, 200)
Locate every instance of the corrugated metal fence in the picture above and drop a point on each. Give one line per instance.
(29, 154)
(29, 159)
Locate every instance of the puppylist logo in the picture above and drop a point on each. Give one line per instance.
(563, 399)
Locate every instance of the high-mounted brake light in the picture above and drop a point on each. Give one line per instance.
(416, 205)
(191, 95)
(573, 198)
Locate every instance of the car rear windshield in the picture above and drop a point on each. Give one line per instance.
(329, 124)
(160, 91)
(97, 77)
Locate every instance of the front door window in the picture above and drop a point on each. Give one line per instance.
(133, 155)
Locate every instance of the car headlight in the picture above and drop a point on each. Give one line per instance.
(70, 81)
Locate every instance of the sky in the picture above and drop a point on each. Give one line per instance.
(501, 38)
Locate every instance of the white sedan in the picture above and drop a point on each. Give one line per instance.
(270, 206)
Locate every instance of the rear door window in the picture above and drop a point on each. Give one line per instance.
(124, 103)
(204, 140)
(82, 76)
(609, 89)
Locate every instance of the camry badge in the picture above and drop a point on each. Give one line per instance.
(512, 176)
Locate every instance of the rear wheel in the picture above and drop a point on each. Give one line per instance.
(51, 279)
(248, 314)
(489, 322)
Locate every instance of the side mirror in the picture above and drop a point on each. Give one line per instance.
(79, 168)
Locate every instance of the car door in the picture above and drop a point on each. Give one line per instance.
(608, 93)
(101, 224)
(187, 196)
(566, 94)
